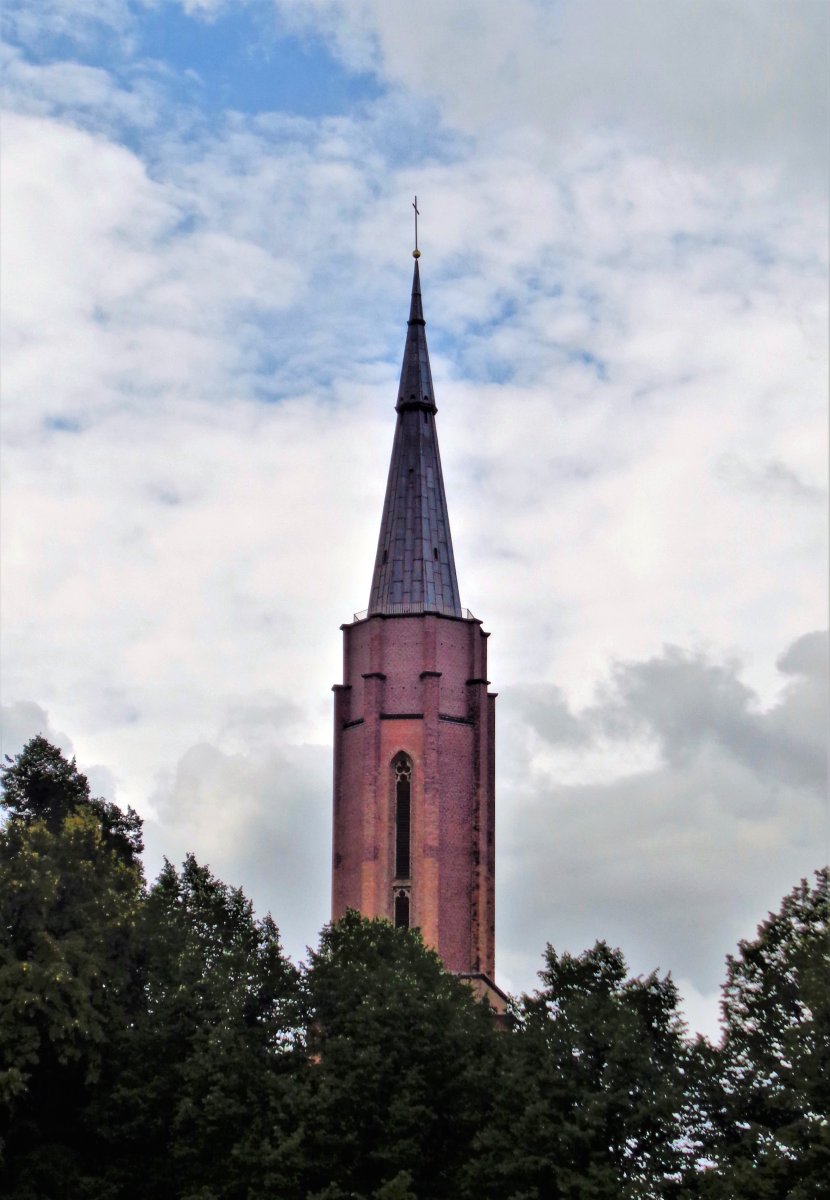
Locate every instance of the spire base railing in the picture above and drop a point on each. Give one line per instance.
(404, 610)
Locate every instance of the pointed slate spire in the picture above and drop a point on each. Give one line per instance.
(414, 566)
(416, 378)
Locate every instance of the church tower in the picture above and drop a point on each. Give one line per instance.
(414, 723)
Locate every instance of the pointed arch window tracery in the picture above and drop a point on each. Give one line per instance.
(402, 767)
(402, 800)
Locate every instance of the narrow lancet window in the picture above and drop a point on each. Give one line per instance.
(401, 910)
(403, 803)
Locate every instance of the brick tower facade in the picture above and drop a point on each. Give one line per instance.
(414, 723)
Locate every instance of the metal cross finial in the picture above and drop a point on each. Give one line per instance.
(416, 253)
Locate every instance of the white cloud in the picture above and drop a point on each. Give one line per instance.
(202, 330)
(23, 720)
(739, 80)
(701, 1010)
(78, 22)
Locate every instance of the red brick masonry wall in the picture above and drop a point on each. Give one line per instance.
(418, 683)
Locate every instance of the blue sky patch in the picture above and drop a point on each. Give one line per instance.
(62, 425)
(241, 61)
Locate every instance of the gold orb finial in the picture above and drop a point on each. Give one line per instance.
(416, 253)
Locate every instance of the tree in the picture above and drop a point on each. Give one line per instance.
(159, 1044)
(590, 1096)
(70, 891)
(40, 785)
(403, 1059)
(202, 1102)
(771, 1136)
(150, 1040)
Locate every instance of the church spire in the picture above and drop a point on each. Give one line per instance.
(414, 566)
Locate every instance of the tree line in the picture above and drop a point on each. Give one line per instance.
(156, 1042)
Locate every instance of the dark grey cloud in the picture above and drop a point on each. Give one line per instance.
(259, 816)
(677, 859)
(771, 479)
(808, 656)
(21, 720)
(544, 708)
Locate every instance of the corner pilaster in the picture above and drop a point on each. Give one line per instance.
(429, 889)
(373, 816)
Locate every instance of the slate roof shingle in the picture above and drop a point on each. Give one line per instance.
(414, 566)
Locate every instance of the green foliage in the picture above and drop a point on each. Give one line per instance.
(198, 1101)
(145, 1036)
(40, 785)
(70, 892)
(589, 1099)
(404, 1069)
(156, 1044)
(770, 1128)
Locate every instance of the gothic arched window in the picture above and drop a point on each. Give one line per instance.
(402, 767)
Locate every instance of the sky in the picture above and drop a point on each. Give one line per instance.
(207, 230)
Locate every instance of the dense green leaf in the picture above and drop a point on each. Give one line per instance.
(158, 1045)
(771, 1099)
